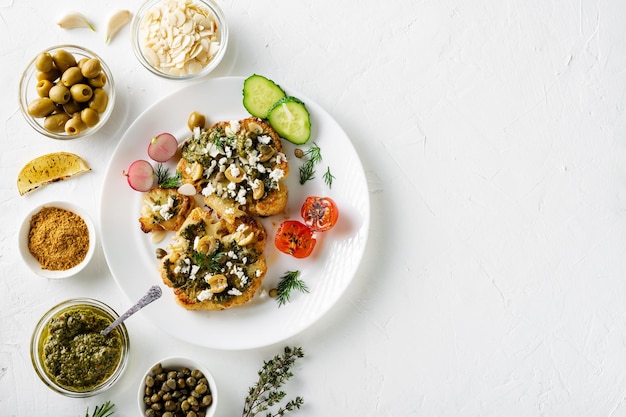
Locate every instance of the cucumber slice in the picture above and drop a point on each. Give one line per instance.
(260, 94)
(291, 120)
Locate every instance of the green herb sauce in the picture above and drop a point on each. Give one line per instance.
(75, 354)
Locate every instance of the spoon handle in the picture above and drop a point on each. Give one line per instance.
(153, 294)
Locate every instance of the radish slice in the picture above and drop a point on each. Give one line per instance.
(141, 176)
(162, 147)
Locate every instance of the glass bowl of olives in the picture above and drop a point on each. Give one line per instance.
(69, 353)
(180, 386)
(67, 92)
(179, 39)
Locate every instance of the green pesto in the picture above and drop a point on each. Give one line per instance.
(76, 355)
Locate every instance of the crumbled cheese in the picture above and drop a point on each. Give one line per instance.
(277, 174)
(205, 295)
(264, 139)
(232, 128)
(234, 291)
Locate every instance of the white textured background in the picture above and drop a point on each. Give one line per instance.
(492, 135)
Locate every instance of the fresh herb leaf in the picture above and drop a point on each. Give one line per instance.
(289, 282)
(328, 178)
(164, 179)
(104, 410)
(266, 392)
(307, 170)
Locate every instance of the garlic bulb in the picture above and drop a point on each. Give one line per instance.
(74, 20)
(116, 22)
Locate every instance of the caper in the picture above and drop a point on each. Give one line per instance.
(89, 116)
(43, 62)
(171, 374)
(91, 68)
(299, 153)
(81, 93)
(201, 388)
(207, 400)
(41, 107)
(196, 119)
(150, 413)
(157, 369)
(170, 405)
(167, 414)
(99, 100)
(56, 122)
(191, 382)
(59, 94)
(191, 413)
(150, 381)
(71, 76)
(185, 405)
(43, 87)
(63, 59)
(160, 253)
(273, 293)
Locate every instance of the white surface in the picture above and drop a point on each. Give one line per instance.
(329, 270)
(492, 135)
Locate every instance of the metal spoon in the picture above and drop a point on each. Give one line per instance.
(153, 294)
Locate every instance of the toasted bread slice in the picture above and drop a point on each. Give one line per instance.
(164, 209)
(238, 166)
(213, 264)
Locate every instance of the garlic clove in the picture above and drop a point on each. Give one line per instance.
(116, 22)
(75, 20)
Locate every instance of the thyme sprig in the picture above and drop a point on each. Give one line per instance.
(164, 179)
(266, 393)
(104, 410)
(289, 282)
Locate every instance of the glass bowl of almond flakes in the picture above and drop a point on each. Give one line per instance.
(179, 39)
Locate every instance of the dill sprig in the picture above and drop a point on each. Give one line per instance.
(164, 179)
(289, 282)
(266, 392)
(328, 178)
(105, 410)
(307, 170)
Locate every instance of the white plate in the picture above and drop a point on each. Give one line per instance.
(327, 272)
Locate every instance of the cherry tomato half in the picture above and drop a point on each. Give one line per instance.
(295, 238)
(319, 213)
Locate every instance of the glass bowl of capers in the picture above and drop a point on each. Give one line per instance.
(67, 92)
(177, 386)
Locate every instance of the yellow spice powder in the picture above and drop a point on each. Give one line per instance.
(58, 238)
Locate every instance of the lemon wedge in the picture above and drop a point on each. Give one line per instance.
(49, 168)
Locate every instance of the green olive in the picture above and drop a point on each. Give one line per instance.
(63, 59)
(81, 62)
(51, 75)
(91, 68)
(43, 87)
(81, 92)
(56, 122)
(72, 107)
(60, 94)
(100, 100)
(75, 126)
(98, 81)
(41, 107)
(43, 62)
(71, 76)
(196, 119)
(89, 116)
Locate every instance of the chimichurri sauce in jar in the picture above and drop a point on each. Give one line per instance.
(75, 354)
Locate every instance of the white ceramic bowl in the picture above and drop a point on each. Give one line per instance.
(32, 262)
(148, 58)
(28, 91)
(41, 334)
(177, 364)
